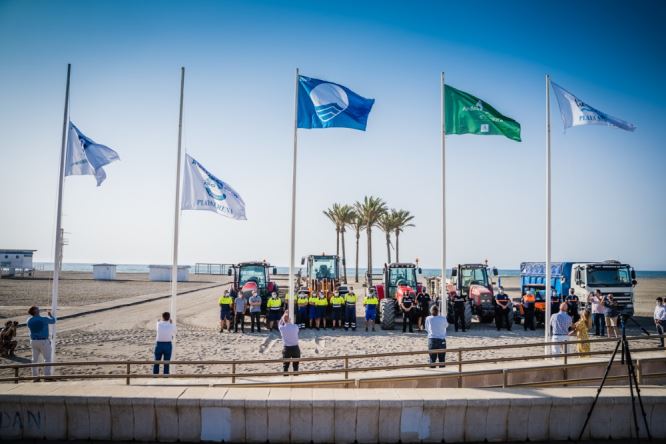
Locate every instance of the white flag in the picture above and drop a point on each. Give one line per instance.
(85, 157)
(576, 112)
(203, 191)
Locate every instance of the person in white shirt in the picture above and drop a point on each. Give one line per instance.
(164, 342)
(435, 326)
(660, 319)
(560, 324)
(289, 332)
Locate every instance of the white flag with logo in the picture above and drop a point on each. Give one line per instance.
(85, 157)
(576, 112)
(203, 191)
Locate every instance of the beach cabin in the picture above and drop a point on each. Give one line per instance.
(162, 273)
(104, 272)
(16, 262)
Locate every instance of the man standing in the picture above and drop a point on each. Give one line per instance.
(407, 306)
(274, 307)
(423, 304)
(164, 342)
(370, 303)
(312, 312)
(289, 333)
(226, 303)
(239, 313)
(560, 324)
(611, 313)
(350, 310)
(660, 319)
(435, 326)
(458, 310)
(502, 310)
(597, 302)
(337, 307)
(572, 304)
(529, 306)
(40, 341)
(255, 311)
(302, 302)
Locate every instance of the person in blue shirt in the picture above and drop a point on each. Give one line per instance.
(502, 310)
(40, 339)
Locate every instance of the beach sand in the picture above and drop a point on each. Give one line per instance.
(129, 332)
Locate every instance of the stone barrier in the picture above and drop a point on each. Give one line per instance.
(80, 411)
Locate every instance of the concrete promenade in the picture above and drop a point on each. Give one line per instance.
(83, 411)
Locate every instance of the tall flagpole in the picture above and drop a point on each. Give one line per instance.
(291, 290)
(548, 216)
(176, 212)
(443, 129)
(57, 260)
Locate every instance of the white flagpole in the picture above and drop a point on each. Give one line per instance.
(57, 260)
(176, 215)
(291, 291)
(548, 217)
(443, 129)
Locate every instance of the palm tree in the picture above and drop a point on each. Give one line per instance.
(332, 214)
(345, 216)
(357, 223)
(387, 224)
(370, 211)
(402, 219)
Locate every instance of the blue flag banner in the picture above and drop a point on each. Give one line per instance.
(575, 112)
(203, 191)
(85, 157)
(324, 104)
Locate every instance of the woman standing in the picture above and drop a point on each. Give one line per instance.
(580, 330)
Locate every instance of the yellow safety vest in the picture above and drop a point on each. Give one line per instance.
(274, 303)
(350, 298)
(226, 300)
(370, 300)
(337, 300)
(313, 300)
(302, 302)
(322, 302)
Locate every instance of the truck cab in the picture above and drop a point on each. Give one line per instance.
(609, 277)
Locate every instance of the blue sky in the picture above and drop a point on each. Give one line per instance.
(608, 192)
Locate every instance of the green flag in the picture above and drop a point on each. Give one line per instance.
(466, 114)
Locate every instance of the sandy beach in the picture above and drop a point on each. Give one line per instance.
(128, 332)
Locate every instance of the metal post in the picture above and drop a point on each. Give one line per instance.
(443, 304)
(128, 369)
(460, 368)
(548, 219)
(233, 373)
(57, 260)
(16, 375)
(291, 291)
(346, 368)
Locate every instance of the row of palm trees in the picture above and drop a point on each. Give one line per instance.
(364, 215)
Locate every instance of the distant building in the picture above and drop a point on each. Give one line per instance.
(104, 272)
(16, 262)
(162, 273)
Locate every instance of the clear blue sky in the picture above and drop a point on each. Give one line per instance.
(608, 187)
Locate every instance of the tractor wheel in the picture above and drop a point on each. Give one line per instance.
(468, 316)
(387, 313)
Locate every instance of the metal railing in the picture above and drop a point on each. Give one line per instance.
(346, 368)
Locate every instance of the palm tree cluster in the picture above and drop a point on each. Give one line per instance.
(364, 215)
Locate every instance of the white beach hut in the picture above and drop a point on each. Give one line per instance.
(104, 272)
(162, 273)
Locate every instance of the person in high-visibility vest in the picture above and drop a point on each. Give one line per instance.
(529, 302)
(350, 310)
(303, 305)
(312, 309)
(274, 308)
(337, 306)
(370, 303)
(320, 312)
(226, 303)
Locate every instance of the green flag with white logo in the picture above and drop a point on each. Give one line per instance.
(466, 114)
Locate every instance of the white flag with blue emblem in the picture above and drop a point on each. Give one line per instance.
(203, 191)
(85, 157)
(576, 112)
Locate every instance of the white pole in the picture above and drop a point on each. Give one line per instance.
(57, 260)
(176, 214)
(548, 217)
(443, 296)
(290, 290)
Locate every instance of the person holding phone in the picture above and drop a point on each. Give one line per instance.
(40, 339)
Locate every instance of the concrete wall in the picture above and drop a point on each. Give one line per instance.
(166, 414)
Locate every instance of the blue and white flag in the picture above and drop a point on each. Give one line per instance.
(85, 157)
(576, 112)
(324, 104)
(203, 191)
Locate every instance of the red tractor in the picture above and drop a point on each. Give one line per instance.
(473, 282)
(254, 276)
(399, 280)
